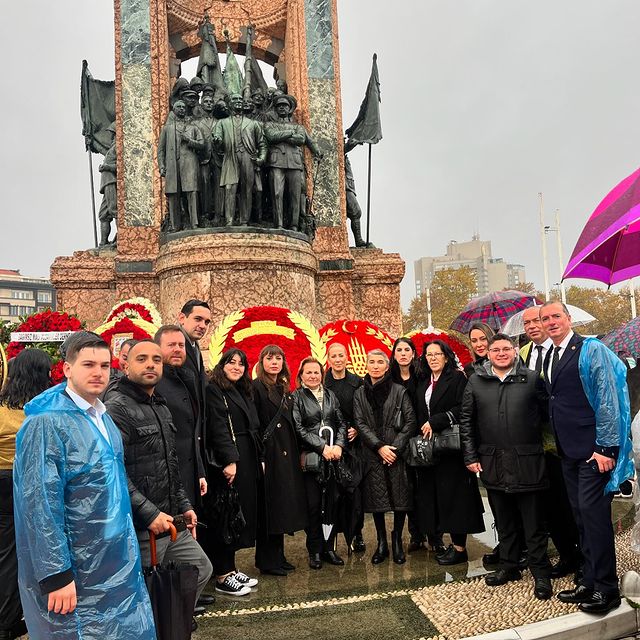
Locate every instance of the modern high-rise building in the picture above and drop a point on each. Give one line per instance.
(22, 296)
(492, 274)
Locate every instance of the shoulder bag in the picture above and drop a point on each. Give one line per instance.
(447, 440)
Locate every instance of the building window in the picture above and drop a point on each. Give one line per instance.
(19, 310)
(44, 296)
(22, 295)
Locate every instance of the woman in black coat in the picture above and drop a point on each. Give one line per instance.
(448, 498)
(233, 444)
(282, 472)
(385, 421)
(314, 406)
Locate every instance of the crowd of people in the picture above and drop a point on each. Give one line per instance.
(96, 470)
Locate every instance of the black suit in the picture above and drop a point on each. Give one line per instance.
(574, 424)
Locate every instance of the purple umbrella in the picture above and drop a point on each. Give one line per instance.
(493, 309)
(608, 249)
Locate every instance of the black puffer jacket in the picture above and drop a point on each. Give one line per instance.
(393, 423)
(308, 417)
(500, 427)
(150, 456)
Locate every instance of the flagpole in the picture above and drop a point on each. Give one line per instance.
(543, 239)
(93, 199)
(369, 195)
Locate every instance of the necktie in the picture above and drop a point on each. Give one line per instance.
(539, 360)
(555, 360)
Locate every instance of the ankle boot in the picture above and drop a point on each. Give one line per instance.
(396, 548)
(382, 551)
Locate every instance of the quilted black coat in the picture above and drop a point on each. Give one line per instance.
(386, 488)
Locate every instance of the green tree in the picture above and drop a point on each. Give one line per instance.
(451, 289)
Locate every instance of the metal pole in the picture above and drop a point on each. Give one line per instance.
(543, 239)
(563, 293)
(632, 298)
(429, 321)
(369, 195)
(93, 200)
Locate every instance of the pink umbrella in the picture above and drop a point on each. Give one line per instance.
(608, 249)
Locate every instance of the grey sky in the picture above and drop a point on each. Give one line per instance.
(485, 103)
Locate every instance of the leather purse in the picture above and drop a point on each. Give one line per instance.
(447, 440)
(312, 462)
(420, 452)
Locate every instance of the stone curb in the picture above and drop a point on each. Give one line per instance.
(624, 621)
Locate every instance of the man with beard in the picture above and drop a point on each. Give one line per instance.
(155, 487)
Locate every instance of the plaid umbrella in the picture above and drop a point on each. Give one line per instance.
(625, 338)
(493, 309)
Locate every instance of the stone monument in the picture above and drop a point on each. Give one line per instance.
(244, 260)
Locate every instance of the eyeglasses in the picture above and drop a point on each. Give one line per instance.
(503, 350)
(430, 356)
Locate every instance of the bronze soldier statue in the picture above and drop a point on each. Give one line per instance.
(286, 162)
(108, 189)
(354, 213)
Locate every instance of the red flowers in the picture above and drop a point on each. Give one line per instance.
(124, 325)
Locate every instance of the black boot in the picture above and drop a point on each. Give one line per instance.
(396, 547)
(381, 552)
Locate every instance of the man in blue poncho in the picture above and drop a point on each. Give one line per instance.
(590, 413)
(79, 566)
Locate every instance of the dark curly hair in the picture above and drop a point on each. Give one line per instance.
(29, 376)
(219, 378)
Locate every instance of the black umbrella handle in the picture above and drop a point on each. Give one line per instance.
(152, 543)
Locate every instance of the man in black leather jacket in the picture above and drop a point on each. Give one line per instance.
(501, 434)
(155, 488)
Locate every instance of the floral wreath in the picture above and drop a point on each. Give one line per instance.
(136, 308)
(255, 327)
(122, 328)
(3, 366)
(45, 321)
(358, 337)
(420, 338)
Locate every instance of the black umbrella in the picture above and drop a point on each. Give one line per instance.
(172, 591)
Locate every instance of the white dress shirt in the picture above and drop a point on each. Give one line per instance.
(563, 346)
(94, 411)
(533, 358)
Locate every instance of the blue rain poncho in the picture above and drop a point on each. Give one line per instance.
(604, 380)
(72, 512)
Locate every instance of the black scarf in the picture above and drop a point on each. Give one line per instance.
(377, 395)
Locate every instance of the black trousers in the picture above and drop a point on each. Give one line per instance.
(315, 540)
(527, 507)
(10, 606)
(559, 514)
(592, 511)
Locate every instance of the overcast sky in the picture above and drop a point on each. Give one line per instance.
(484, 104)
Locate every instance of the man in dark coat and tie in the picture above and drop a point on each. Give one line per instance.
(589, 411)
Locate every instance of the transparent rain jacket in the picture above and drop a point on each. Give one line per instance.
(604, 380)
(72, 511)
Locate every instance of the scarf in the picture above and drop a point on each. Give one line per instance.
(377, 395)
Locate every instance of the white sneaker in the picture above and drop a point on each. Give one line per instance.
(245, 580)
(232, 587)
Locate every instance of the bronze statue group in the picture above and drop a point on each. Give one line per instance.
(112, 459)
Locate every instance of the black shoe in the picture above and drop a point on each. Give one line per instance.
(194, 625)
(438, 550)
(563, 568)
(542, 588)
(205, 600)
(601, 602)
(332, 558)
(416, 545)
(287, 566)
(381, 552)
(274, 572)
(358, 545)
(314, 561)
(491, 558)
(452, 556)
(198, 610)
(502, 576)
(396, 548)
(577, 595)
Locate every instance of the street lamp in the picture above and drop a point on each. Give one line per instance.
(547, 228)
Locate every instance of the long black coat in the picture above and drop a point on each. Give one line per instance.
(447, 495)
(385, 488)
(284, 493)
(500, 427)
(178, 388)
(245, 452)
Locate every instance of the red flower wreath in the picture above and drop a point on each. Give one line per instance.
(46, 321)
(139, 329)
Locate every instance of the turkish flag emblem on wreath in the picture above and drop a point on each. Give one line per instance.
(358, 337)
(254, 328)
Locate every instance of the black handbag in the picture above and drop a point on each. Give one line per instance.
(421, 452)
(312, 462)
(447, 440)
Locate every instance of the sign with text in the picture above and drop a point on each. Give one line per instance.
(40, 336)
